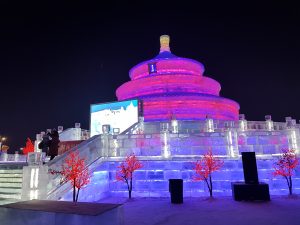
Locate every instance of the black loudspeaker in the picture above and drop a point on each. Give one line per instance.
(250, 192)
(176, 190)
(250, 168)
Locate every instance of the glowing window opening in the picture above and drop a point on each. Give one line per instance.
(152, 68)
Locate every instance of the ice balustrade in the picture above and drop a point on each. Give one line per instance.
(157, 139)
(222, 144)
(72, 134)
(199, 126)
(9, 158)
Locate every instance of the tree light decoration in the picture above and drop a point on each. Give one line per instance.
(205, 167)
(285, 167)
(29, 147)
(74, 170)
(126, 169)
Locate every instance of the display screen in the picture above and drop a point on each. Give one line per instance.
(118, 115)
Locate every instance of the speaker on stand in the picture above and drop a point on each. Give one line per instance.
(251, 189)
(250, 168)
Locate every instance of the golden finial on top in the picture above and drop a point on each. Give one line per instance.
(164, 43)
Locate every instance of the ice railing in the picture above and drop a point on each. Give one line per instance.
(71, 134)
(91, 150)
(218, 125)
(12, 158)
(193, 139)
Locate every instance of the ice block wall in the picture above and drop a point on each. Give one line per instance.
(153, 180)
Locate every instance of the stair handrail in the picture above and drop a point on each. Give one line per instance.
(56, 163)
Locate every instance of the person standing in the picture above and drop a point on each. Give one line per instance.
(44, 144)
(53, 146)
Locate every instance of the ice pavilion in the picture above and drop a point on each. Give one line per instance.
(172, 86)
(183, 117)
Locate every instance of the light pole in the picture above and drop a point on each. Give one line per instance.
(2, 139)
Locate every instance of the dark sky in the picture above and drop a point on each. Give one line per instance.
(57, 59)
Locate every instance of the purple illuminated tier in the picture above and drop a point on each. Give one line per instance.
(172, 86)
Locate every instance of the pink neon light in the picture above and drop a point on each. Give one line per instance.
(178, 88)
(168, 84)
(190, 107)
(166, 66)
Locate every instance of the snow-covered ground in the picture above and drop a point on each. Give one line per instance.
(281, 210)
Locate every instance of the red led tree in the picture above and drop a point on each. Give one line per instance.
(29, 147)
(74, 170)
(285, 167)
(126, 169)
(205, 167)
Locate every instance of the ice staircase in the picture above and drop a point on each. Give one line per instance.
(93, 151)
(10, 182)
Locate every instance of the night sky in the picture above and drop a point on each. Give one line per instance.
(57, 59)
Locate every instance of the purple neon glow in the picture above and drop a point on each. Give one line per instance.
(167, 84)
(168, 66)
(189, 108)
(177, 88)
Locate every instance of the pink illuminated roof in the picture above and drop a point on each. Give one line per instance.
(170, 84)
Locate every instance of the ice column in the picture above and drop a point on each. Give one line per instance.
(269, 123)
(105, 140)
(141, 125)
(209, 124)
(37, 141)
(174, 124)
(17, 157)
(293, 134)
(35, 181)
(165, 139)
(232, 147)
(115, 146)
(4, 156)
(242, 123)
(77, 132)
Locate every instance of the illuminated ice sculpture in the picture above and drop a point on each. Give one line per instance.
(174, 86)
(184, 117)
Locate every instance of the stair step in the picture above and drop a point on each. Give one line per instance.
(20, 171)
(11, 174)
(10, 179)
(10, 166)
(11, 184)
(4, 201)
(10, 190)
(10, 195)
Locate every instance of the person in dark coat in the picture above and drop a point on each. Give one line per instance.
(44, 144)
(53, 147)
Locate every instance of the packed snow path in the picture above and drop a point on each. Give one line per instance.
(281, 210)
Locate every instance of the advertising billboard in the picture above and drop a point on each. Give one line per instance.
(113, 116)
